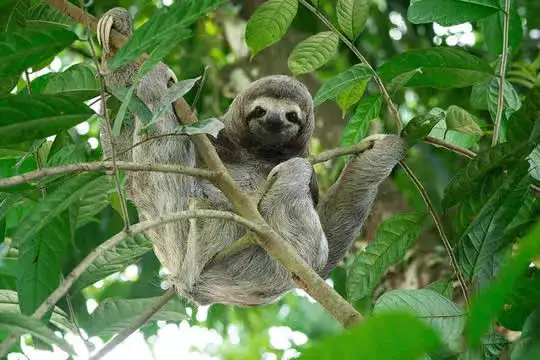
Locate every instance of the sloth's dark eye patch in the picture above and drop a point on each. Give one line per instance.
(292, 117)
(257, 112)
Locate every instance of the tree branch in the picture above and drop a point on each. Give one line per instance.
(347, 150)
(68, 282)
(140, 321)
(440, 229)
(271, 241)
(504, 61)
(449, 146)
(105, 165)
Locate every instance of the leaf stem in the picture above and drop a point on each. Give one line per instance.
(358, 54)
(504, 61)
(440, 229)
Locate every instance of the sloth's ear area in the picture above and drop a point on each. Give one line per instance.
(171, 82)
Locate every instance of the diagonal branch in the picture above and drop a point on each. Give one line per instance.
(504, 61)
(246, 207)
(105, 165)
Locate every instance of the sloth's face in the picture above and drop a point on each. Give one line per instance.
(274, 122)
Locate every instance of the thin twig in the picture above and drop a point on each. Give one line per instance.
(147, 139)
(268, 238)
(504, 61)
(68, 282)
(105, 120)
(140, 321)
(440, 229)
(105, 165)
(359, 148)
(457, 149)
(358, 54)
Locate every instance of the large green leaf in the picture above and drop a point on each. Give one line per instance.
(333, 87)
(40, 263)
(20, 324)
(78, 82)
(168, 22)
(113, 315)
(314, 52)
(461, 184)
(420, 126)
(450, 12)
(439, 311)
(394, 236)
(9, 303)
(357, 126)
(352, 16)
(490, 302)
(29, 47)
(25, 117)
(440, 68)
(54, 204)
(43, 13)
(94, 201)
(381, 337)
(351, 96)
(269, 23)
(16, 16)
(492, 29)
(128, 252)
(483, 236)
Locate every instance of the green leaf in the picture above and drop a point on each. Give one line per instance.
(442, 68)
(314, 52)
(42, 13)
(167, 24)
(352, 16)
(394, 236)
(445, 316)
(29, 47)
(8, 82)
(16, 16)
(483, 236)
(78, 82)
(522, 302)
(450, 12)
(128, 252)
(40, 263)
(176, 91)
(511, 103)
(460, 185)
(94, 201)
(399, 81)
(488, 304)
(357, 126)
(34, 117)
(55, 203)
(492, 29)
(113, 315)
(20, 324)
(351, 96)
(420, 126)
(461, 120)
(333, 87)
(9, 303)
(134, 104)
(269, 23)
(443, 287)
(383, 337)
(210, 126)
(459, 139)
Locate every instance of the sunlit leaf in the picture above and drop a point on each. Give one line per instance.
(351, 96)
(210, 126)
(21, 324)
(352, 16)
(387, 336)
(461, 120)
(34, 117)
(113, 315)
(333, 87)
(357, 126)
(394, 236)
(55, 203)
(314, 52)
(441, 68)
(440, 312)
(450, 12)
(269, 23)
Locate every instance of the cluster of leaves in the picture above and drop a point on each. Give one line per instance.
(48, 226)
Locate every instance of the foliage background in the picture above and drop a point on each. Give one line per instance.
(219, 45)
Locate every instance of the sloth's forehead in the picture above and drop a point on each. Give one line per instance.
(275, 104)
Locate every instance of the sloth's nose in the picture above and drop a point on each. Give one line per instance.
(274, 123)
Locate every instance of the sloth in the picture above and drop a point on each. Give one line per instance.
(267, 132)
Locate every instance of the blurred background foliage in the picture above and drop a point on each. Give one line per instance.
(218, 45)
